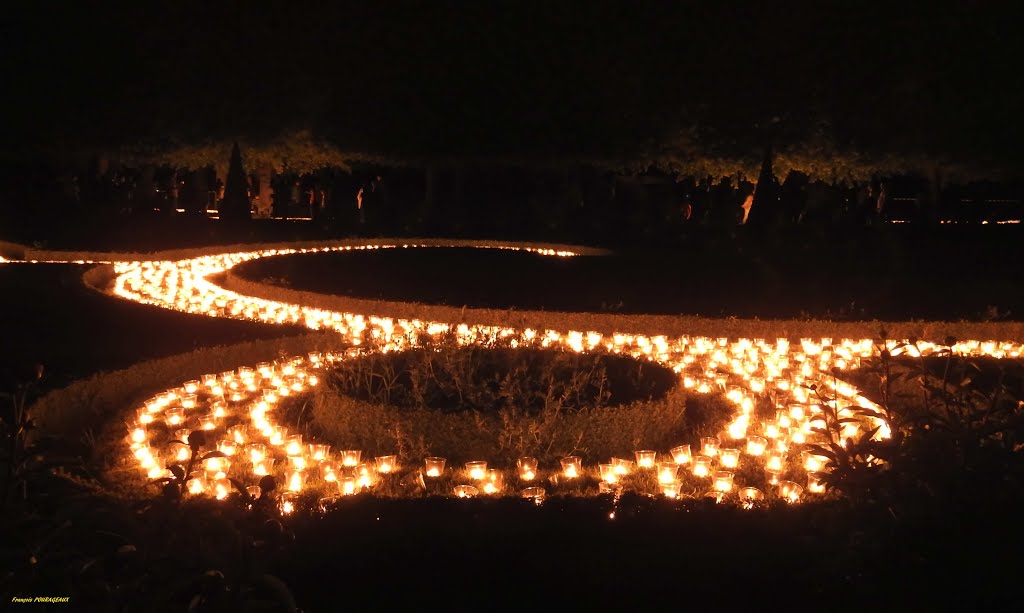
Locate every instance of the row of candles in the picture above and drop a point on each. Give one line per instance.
(748, 371)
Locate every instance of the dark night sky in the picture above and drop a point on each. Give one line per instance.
(511, 78)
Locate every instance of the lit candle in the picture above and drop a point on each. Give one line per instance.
(749, 496)
(257, 452)
(789, 491)
(756, 445)
(221, 488)
(143, 416)
(492, 485)
(816, 482)
(297, 462)
(622, 466)
(364, 476)
(386, 463)
(287, 502)
(347, 486)
(709, 446)
(571, 467)
(723, 481)
(701, 466)
(729, 458)
(254, 491)
(137, 434)
(813, 462)
(670, 489)
(527, 468)
(536, 494)
(319, 452)
(774, 462)
(197, 485)
(263, 467)
(327, 472)
(667, 472)
(175, 416)
(773, 476)
(476, 470)
(189, 401)
(293, 445)
(293, 480)
(350, 457)
(605, 487)
(237, 434)
(227, 447)
(434, 466)
(645, 458)
(465, 491)
(608, 474)
(681, 454)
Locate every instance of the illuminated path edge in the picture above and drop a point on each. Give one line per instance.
(744, 369)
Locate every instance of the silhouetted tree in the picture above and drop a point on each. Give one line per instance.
(236, 194)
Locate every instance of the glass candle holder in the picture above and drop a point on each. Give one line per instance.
(774, 476)
(723, 481)
(189, 401)
(278, 436)
(816, 482)
(797, 411)
(364, 476)
(812, 462)
(527, 467)
(571, 467)
(263, 468)
(254, 491)
(157, 470)
(227, 447)
(492, 484)
(347, 486)
(608, 474)
(622, 466)
(293, 480)
(774, 462)
(536, 494)
(237, 434)
(789, 491)
(221, 488)
(465, 491)
(751, 495)
(771, 430)
(257, 452)
(667, 472)
(670, 489)
(756, 445)
(319, 452)
(293, 445)
(196, 485)
(297, 462)
(605, 487)
(218, 464)
(433, 467)
(701, 466)
(350, 457)
(729, 458)
(681, 454)
(476, 470)
(386, 464)
(137, 433)
(328, 472)
(645, 458)
(709, 446)
(287, 502)
(174, 417)
(207, 422)
(143, 416)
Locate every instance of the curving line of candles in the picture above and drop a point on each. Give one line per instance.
(238, 406)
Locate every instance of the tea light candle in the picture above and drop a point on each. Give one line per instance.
(364, 476)
(278, 436)
(571, 467)
(319, 452)
(175, 416)
(189, 401)
(287, 502)
(536, 494)
(622, 466)
(729, 458)
(527, 468)
(196, 485)
(347, 486)
(608, 474)
(434, 466)
(143, 416)
(476, 470)
(237, 434)
(812, 462)
(670, 489)
(465, 491)
(293, 480)
(263, 468)
(816, 483)
(774, 462)
(709, 446)
(293, 445)
(756, 445)
(137, 434)
(257, 452)
(667, 472)
(221, 488)
(773, 476)
(350, 457)
(386, 463)
(218, 465)
(297, 462)
(789, 491)
(681, 454)
(723, 481)
(492, 485)
(645, 458)
(701, 466)
(227, 447)
(328, 473)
